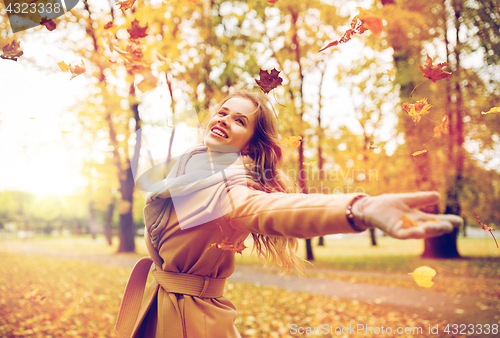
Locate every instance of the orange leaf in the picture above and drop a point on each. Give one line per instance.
(434, 72)
(125, 4)
(12, 51)
(373, 23)
(74, 69)
(292, 141)
(359, 24)
(229, 246)
(442, 128)
(269, 80)
(390, 73)
(417, 109)
(420, 152)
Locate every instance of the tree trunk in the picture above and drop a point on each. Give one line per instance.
(372, 237)
(309, 250)
(108, 225)
(321, 241)
(446, 246)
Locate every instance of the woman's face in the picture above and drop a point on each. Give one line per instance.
(233, 124)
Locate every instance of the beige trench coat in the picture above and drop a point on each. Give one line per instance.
(167, 314)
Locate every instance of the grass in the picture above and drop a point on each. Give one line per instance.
(46, 297)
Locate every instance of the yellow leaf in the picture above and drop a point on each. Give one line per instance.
(491, 111)
(64, 67)
(408, 222)
(148, 83)
(417, 110)
(423, 276)
(292, 141)
(420, 152)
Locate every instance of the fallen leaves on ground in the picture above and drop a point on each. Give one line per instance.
(269, 80)
(50, 297)
(417, 110)
(423, 276)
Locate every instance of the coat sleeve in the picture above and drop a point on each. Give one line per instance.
(288, 215)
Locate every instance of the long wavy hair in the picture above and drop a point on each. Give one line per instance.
(267, 155)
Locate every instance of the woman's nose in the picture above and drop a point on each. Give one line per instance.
(222, 121)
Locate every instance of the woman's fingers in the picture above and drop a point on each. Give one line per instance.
(419, 199)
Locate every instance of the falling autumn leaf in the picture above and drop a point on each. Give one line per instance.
(359, 24)
(423, 276)
(12, 51)
(417, 109)
(491, 111)
(486, 228)
(434, 72)
(309, 163)
(292, 141)
(229, 246)
(137, 32)
(269, 80)
(109, 25)
(125, 4)
(391, 74)
(373, 23)
(74, 69)
(148, 83)
(420, 152)
(438, 130)
(49, 24)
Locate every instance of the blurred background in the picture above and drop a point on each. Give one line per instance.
(68, 139)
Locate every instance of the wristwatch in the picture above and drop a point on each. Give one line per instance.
(350, 215)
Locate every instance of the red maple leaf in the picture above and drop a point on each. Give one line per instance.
(137, 31)
(269, 81)
(434, 72)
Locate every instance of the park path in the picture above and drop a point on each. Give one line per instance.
(455, 309)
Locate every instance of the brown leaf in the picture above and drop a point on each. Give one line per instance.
(74, 69)
(434, 72)
(12, 51)
(109, 25)
(137, 32)
(49, 24)
(269, 81)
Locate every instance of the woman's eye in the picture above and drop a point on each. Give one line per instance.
(240, 121)
(221, 113)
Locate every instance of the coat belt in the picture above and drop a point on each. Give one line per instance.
(171, 282)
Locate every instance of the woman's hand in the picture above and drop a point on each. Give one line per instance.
(385, 212)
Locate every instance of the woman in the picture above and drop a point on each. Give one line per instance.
(228, 188)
